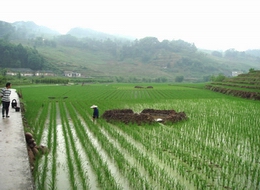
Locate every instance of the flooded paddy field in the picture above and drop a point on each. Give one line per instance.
(215, 147)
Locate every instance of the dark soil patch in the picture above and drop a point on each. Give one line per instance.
(147, 116)
(238, 93)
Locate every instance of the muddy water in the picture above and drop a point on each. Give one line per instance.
(132, 160)
(62, 178)
(119, 178)
(62, 167)
(92, 179)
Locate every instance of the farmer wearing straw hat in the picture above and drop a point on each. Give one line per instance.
(95, 112)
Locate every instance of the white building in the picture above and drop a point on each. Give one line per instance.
(71, 74)
(236, 73)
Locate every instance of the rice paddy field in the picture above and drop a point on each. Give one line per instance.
(218, 147)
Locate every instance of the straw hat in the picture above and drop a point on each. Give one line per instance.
(94, 106)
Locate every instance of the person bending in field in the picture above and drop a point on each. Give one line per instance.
(5, 95)
(95, 112)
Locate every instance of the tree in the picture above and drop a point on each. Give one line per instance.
(231, 53)
(34, 61)
(19, 76)
(216, 53)
(4, 72)
(179, 78)
(251, 70)
(218, 78)
(206, 78)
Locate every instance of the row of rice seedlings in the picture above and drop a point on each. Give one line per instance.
(209, 132)
(39, 125)
(53, 182)
(191, 147)
(90, 152)
(110, 150)
(127, 163)
(148, 142)
(38, 165)
(44, 179)
(157, 171)
(35, 117)
(185, 163)
(76, 155)
(157, 174)
(173, 167)
(104, 175)
(134, 176)
(34, 111)
(65, 129)
(120, 163)
(244, 119)
(186, 153)
(204, 132)
(171, 142)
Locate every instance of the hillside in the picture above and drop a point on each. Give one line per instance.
(96, 54)
(244, 85)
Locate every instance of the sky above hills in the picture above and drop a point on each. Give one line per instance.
(209, 24)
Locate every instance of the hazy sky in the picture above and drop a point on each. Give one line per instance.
(210, 24)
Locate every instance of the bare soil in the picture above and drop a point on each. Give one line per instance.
(147, 116)
(238, 93)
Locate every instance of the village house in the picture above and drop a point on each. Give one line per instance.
(28, 72)
(21, 71)
(71, 74)
(236, 73)
(44, 73)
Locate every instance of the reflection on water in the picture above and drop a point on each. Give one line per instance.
(62, 168)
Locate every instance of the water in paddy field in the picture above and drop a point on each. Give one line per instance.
(62, 167)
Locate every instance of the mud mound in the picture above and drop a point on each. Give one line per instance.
(147, 116)
(238, 93)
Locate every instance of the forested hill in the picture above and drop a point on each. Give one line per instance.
(19, 56)
(98, 54)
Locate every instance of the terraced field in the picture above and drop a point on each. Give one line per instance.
(244, 86)
(216, 148)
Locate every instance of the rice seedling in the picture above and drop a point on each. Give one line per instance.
(216, 148)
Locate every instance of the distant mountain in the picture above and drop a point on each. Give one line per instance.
(89, 33)
(31, 27)
(32, 30)
(24, 30)
(6, 29)
(94, 53)
(29, 30)
(254, 52)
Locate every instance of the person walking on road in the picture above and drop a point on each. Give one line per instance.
(95, 112)
(5, 95)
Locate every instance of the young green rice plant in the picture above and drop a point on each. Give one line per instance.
(54, 147)
(45, 165)
(216, 148)
(108, 181)
(76, 155)
(108, 149)
(65, 126)
(157, 174)
(41, 123)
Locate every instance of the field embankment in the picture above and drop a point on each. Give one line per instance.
(244, 86)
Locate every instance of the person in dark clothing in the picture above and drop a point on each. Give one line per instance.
(5, 95)
(95, 112)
